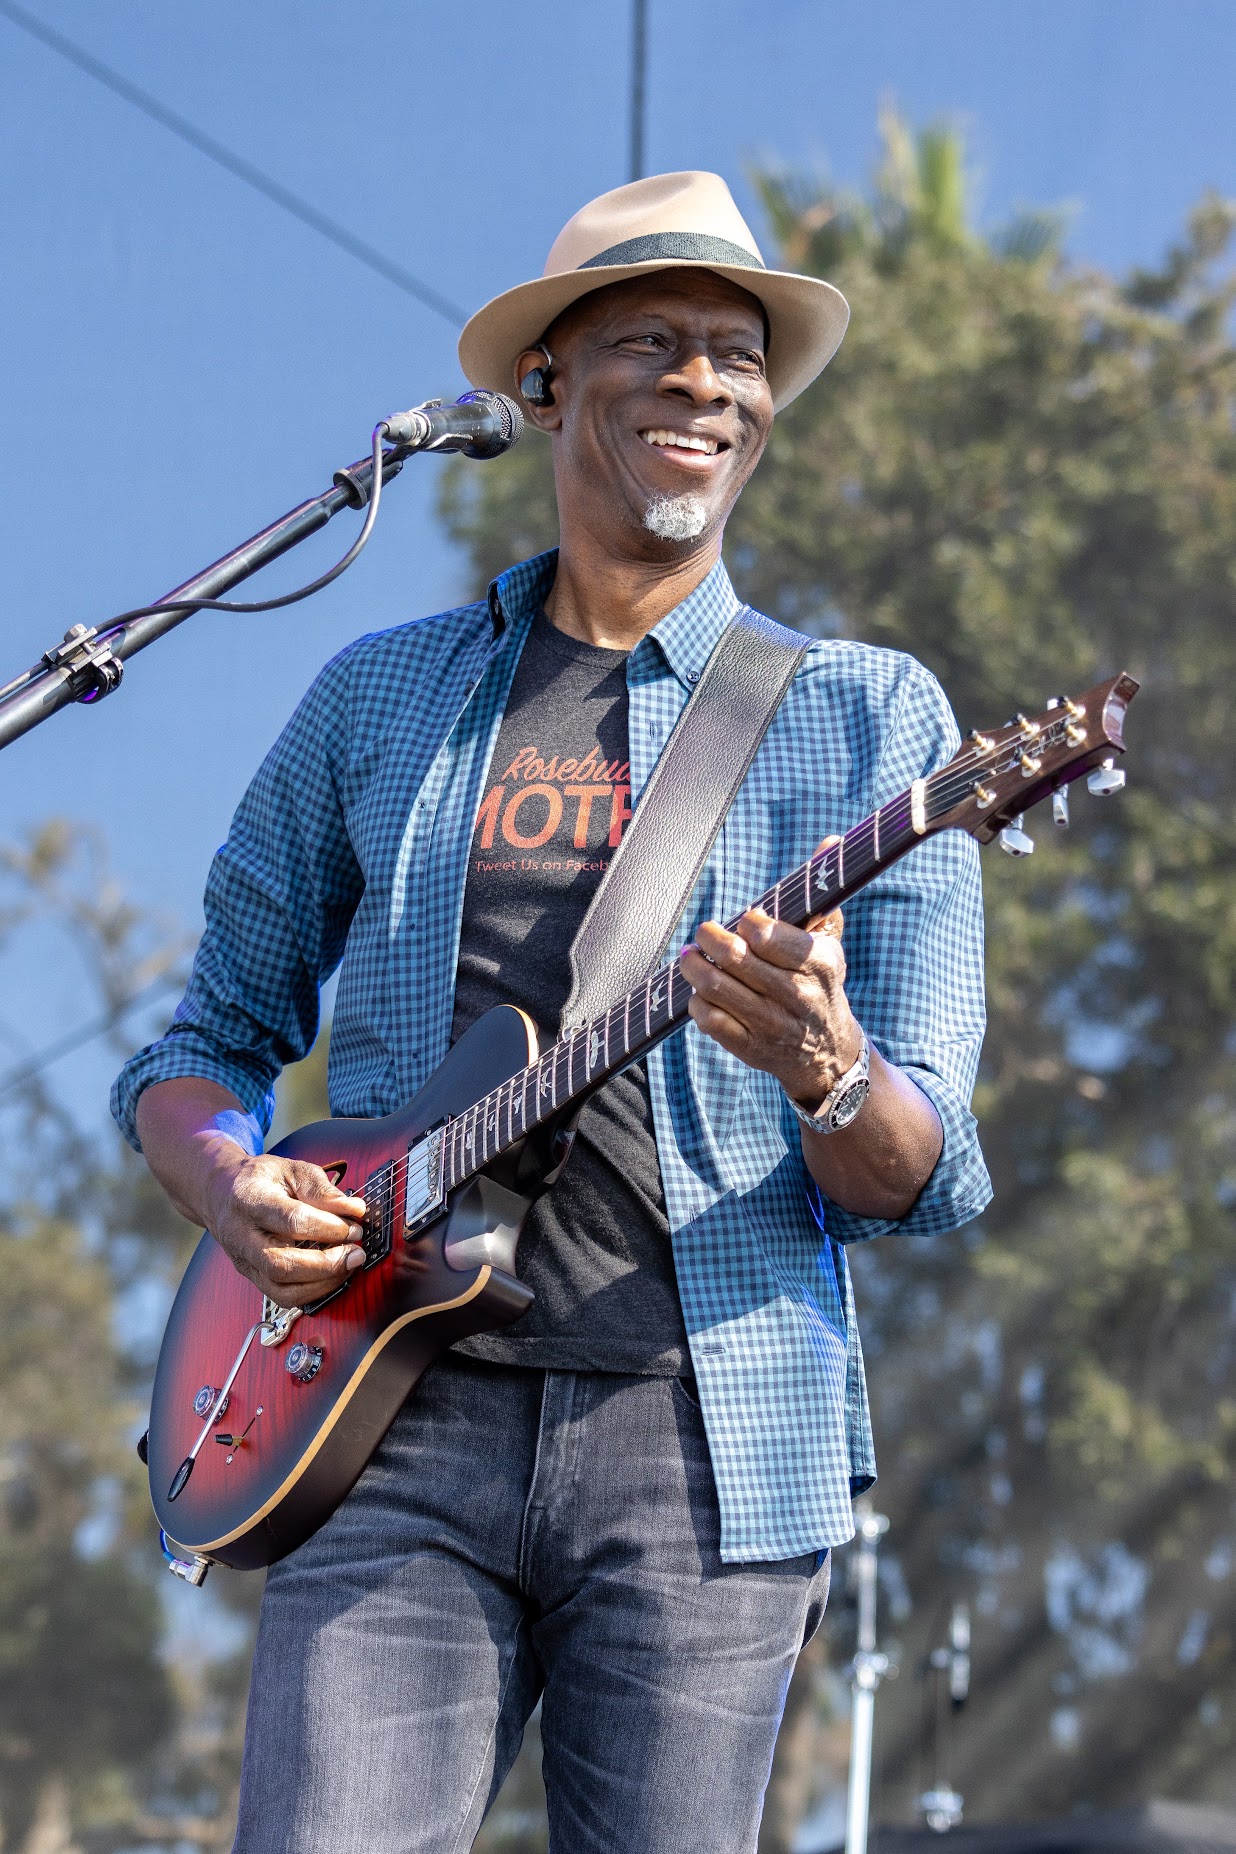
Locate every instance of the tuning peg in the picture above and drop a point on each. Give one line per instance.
(1105, 779)
(1015, 840)
(1060, 807)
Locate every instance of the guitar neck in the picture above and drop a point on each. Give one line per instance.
(989, 781)
(584, 1058)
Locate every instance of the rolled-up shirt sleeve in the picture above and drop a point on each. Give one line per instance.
(914, 948)
(279, 901)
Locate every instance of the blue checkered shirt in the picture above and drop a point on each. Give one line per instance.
(351, 846)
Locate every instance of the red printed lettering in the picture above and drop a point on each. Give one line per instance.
(487, 817)
(619, 814)
(583, 817)
(511, 830)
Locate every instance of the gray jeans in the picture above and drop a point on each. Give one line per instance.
(519, 1534)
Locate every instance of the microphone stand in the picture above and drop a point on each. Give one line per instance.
(88, 664)
(867, 1670)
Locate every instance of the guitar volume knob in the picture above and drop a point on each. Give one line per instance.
(204, 1400)
(303, 1362)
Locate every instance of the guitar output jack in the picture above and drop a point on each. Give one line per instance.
(303, 1362)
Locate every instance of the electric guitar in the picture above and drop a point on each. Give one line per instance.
(264, 1416)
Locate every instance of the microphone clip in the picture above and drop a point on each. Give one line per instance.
(412, 430)
(480, 424)
(87, 662)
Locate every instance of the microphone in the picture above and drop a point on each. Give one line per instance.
(481, 424)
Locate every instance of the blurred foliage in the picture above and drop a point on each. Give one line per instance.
(506, 516)
(68, 1600)
(300, 1096)
(109, 1737)
(1022, 472)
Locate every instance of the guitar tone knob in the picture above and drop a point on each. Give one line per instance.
(303, 1362)
(204, 1400)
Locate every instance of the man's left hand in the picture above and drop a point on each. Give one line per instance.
(774, 995)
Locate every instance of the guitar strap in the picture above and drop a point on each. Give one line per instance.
(642, 895)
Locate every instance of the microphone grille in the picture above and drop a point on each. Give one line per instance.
(511, 416)
(508, 419)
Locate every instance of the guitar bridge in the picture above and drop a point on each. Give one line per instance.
(423, 1192)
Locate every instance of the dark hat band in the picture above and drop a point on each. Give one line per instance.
(697, 247)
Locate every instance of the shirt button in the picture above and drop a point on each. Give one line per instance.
(693, 675)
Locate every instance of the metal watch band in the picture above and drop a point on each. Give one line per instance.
(844, 1100)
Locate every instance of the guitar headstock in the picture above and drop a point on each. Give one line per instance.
(996, 776)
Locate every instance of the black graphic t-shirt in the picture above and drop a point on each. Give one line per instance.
(596, 1248)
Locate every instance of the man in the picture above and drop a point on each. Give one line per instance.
(624, 1504)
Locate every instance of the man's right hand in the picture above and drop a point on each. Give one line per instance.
(286, 1227)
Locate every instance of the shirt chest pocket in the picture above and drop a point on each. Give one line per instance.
(766, 835)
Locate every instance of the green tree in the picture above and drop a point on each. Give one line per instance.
(104, 1735)
(1022, 471)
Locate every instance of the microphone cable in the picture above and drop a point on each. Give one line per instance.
(379, 458)
(403, 441)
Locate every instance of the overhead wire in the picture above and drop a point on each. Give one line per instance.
(326, 227)
(234, 164)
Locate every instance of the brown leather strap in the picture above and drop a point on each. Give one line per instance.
(641, 897)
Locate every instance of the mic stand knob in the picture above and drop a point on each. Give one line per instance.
(93, 670)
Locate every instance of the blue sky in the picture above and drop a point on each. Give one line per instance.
(183, 362)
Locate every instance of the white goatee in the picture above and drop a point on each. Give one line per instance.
(676, 518)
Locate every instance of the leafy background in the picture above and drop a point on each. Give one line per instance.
(1022, 471)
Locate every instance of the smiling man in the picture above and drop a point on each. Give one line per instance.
(624, 1504)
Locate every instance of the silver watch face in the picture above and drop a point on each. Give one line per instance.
(844, 1110)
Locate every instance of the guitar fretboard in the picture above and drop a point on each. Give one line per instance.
(582, 1059)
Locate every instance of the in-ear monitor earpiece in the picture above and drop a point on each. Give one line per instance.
(536, 383)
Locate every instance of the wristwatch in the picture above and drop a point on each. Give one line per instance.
(845, 1099)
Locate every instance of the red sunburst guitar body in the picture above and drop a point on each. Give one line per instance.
(262, 1418)
(249, 1501)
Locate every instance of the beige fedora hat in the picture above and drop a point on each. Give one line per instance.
(667, 222)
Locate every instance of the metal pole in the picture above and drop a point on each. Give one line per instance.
(867, 1670)
(639, 76)
(72, 671)
(948, 1669)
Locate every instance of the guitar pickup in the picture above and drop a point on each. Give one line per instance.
(375, 1235)
(423, 1192)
